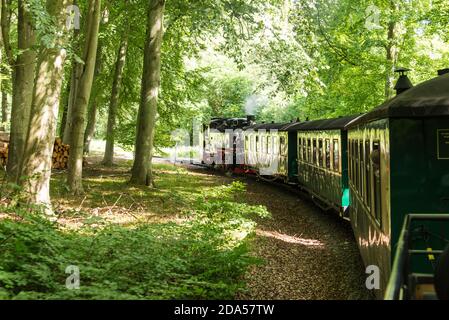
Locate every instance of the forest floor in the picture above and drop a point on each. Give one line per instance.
(308, 254)
(217, 227)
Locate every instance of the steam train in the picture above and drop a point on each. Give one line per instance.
(385, 171)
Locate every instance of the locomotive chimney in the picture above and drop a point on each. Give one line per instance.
(443, 71)
(251, 119)
(404, 82)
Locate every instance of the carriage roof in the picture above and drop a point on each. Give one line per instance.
(267, 126)
(428, 99)
(325, 124)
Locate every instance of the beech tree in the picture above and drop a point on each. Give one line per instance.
(37, 161)
(142, 170)
(77, 117)
(23, 82)
(108, 159)
(93, 103)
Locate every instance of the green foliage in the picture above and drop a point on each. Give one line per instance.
(318, 59)
(203, 257)
(226, 96)
(190, 27)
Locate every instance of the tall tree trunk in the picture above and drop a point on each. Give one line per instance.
(146, 120)
(4, 114)
(37, 160)
(79, 109)
(23, 83)
(108, 159)
(91, 122)
(77, 70)
(392, 50)
(3, 74)
(4, 111)
(93, 104)
(5, 23)
(63, 109)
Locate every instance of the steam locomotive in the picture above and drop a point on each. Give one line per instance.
(385, 171)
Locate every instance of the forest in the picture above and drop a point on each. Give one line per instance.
(92, 92)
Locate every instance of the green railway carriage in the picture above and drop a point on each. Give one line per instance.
(322, 161)
(399, 165)
(268, 151)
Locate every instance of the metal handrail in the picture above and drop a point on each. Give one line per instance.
(397, 276)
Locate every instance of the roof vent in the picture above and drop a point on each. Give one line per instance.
(404, 82)
(443, 71)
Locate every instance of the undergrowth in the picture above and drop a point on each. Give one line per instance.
(202, 257)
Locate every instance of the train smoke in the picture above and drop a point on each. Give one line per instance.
(253, 103)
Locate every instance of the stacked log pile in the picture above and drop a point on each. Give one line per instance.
(60, 152)
(4, 148)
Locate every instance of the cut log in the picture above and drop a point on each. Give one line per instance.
(60, 155)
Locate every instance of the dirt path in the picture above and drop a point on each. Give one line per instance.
(308, 254)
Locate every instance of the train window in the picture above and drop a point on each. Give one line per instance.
(353, 161)
(269, 145)
(336, 158)
(356, 164)
(367, 175)
(263, 144)
(299, 151)
(309, 150)
(278, 145)
(328, 153)
(273, 143)
(283, 147)
(351, 172)
(314, 158)
(375, 158)
(304, 149)
(320, 152)
(257, 143)
(349, 159)
(362, 170)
